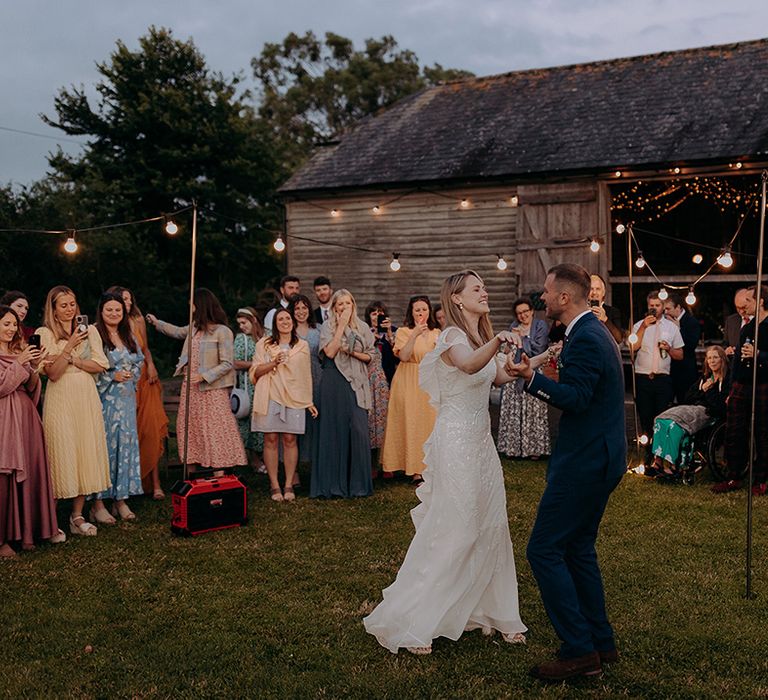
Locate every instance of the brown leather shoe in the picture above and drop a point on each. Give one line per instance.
(609, 657)
(562, 669)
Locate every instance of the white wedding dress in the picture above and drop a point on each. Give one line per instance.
(459, 571)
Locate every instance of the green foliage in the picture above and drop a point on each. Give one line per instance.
(312, 90)
(275, 609)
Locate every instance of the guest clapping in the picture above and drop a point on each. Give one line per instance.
(282, 377)
(27, 508)
(72, 420)
(342, 466)
(213, 439)
(410, 418)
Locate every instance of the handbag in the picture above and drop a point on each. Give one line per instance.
(239, 401)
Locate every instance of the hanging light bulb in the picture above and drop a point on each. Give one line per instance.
(376, 209)
(514, 201)
(71, 244)
(690, 299)
(464, 203)
(632, 338)
(594, 246)
(618, 173)
(334, 212)
(171, 228)
(279, 244)
(697, 259)
(501, 264)
(663, 294)
(640, 261)
(620, 228)
(395, 264)
(643, 439)
(725, 259)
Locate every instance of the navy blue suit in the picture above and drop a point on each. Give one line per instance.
(587, 463)
(685, 372)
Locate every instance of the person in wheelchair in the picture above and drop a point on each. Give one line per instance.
(704, 401)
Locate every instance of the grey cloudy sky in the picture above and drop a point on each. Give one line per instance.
(49, 44)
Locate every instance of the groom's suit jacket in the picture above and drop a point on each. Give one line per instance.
(591, 444)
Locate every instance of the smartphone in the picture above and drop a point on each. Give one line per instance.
(81, 323)
(379, 319)
(594, 302)
(34, 340)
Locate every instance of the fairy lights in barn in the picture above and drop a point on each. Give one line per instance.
(697, 259)
(594, 245)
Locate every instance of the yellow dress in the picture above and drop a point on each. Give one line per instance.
(75, 439)
(410, 418)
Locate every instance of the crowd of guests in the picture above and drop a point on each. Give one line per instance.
(317, 383)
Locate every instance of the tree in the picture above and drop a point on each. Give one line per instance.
(312, 90)
(166, 131)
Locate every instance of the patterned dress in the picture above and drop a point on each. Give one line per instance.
(377, 416)
(118, 406)
(245, 346)
(310, 430)
(214, 439)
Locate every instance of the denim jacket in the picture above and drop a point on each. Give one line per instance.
(216, 358)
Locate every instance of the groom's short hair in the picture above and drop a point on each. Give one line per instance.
(573, 275)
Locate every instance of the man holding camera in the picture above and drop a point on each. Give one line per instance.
(658, 343)
(609, 315)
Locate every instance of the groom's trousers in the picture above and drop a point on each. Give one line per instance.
(562, 555)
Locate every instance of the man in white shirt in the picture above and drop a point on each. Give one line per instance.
(658, 343)
(323, 293)
(289, 285)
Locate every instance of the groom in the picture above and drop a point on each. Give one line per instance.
(586, 465)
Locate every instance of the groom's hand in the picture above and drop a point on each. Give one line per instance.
(519, 369)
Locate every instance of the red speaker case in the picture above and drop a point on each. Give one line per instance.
(208, 504)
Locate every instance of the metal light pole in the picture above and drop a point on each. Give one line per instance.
(189, 335)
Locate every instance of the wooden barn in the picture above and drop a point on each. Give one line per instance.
(533, 166)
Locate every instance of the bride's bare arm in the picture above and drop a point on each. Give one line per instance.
(471, 361)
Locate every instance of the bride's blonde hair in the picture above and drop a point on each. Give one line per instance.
(455, 284)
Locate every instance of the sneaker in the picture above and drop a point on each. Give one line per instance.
(726, 486)
(759, 489)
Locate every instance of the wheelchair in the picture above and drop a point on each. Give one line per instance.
(705, 449)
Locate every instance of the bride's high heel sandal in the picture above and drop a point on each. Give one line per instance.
(513, 638)
(419, 651)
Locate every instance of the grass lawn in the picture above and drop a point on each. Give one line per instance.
(274, 609)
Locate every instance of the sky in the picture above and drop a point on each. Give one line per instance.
(50, 44)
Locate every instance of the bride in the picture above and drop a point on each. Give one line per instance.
(459, 571)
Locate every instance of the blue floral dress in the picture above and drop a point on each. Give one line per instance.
(118, 406)
(245, 346)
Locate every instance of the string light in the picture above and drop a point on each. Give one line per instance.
(464, 203)
(618, 173)
(514, 201)
(70, 246)
(690, 299)
(395, 264)
(594, 246)
(501, 264)
(739, 165)
(725, 259)
(697, 259)
(640, 261)
(663, 294)
(376, 209)
(620, 228)
(171, 228)
(632, 338)
(334, 212)
(643, 439)
(279, 244)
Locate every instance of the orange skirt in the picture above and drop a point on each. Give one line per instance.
(152, 424)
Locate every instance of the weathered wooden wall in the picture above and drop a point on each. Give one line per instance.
(435, 237)
(418, 224)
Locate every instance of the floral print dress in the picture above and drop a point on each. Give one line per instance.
(245, 346)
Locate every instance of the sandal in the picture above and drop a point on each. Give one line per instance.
(516, 638)
(288, 494)
(82, 527)
(58, 538)
(276, 494)
(120, 508)
(419, 651)
(158, 495)
(101, 516)
(7, 552)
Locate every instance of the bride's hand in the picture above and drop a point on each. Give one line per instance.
(519, 369)
(509, 338)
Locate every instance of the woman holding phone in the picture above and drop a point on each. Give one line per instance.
(74, 427)
(410, 417)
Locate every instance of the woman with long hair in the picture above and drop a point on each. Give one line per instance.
(383, 337)
(19, 302)
(523, 419)
(459, 571)
(250, 332)
(282, 375)
(306, 328)
(117, 388)
(342, 464)
(410, 418)
(151, 419)
(705, 400)
(213, 439)
(75, 439)
(27, 508)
